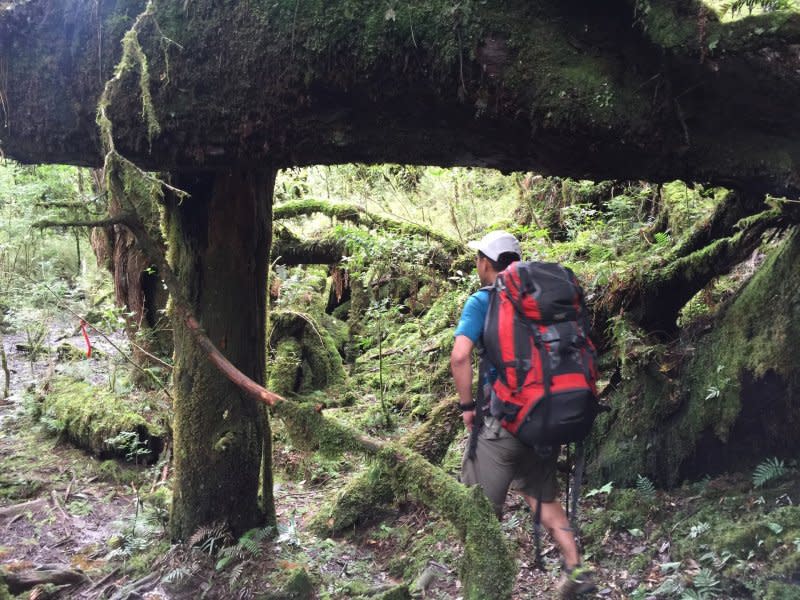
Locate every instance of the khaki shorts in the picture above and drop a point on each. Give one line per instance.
(501, 459)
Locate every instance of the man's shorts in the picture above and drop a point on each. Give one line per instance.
(501, 459)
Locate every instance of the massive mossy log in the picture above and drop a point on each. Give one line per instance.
(724, 400)
(609, 91)
(219, 248)
(290, 250)
(96, 420)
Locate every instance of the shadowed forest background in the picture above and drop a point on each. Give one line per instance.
(226, 327)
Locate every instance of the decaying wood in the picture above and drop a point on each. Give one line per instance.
(24, 580)
(17, 509)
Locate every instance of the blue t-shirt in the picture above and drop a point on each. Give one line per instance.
(473, 315)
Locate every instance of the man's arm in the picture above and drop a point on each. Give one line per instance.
(461, 368)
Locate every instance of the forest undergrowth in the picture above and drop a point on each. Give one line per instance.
(368, 337)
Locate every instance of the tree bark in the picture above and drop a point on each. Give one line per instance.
(219, 242)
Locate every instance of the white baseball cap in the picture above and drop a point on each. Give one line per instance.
(496, 243)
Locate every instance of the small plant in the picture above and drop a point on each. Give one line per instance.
(210, 538)
(247, 546)
(698, 530)
(605, 489)
(704, 587)
(645, 488)
(769, 469)
(131, 444)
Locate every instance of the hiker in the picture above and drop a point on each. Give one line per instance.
(499, 457)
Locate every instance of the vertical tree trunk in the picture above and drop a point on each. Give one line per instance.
(219, 241)
(137, 286)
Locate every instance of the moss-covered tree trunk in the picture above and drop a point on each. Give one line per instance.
(723, 399)
(219, 241)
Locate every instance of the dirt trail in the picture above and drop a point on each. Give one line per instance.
(86, 507)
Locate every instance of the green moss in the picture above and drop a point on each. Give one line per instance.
(298, 585)
(283, 369)
(658, 419)
(306, 352)
(488, 567)
(4, 593)
(777, 590)
(399, 592)
(358, 501)
(90, 416)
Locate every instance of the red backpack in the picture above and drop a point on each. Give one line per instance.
(536, 335)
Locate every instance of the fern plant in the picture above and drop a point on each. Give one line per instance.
(769, 469)
(705, 586)
(645, 488)
(247, 546)
(210, 538)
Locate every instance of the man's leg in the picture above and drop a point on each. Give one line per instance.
(555, 519)
(492, 468)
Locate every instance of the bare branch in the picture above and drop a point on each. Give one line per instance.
(124, 219)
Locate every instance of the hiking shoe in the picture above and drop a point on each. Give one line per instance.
(575, 581)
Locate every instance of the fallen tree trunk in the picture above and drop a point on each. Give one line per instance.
(359, 216)
(723, 399)
(290, 250)
(654, 299)
(368, 491)
(626, 90)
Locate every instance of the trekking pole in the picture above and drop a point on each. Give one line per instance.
(580, 461)
(568, 472)
(538, 560)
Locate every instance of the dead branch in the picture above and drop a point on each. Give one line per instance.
(111, 221)
(110, 341)
(25, 580)
(17, 509)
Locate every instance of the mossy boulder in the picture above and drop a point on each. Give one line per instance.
(94, 418)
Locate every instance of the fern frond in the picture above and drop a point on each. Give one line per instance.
(645, 488)
(769, 469)
(178, 575)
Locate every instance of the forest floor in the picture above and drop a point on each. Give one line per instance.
(63, 509)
